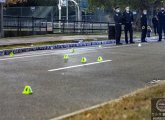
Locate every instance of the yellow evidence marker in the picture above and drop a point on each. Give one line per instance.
(83, 60)
(99, 59)
(11, 54)
(27, 90)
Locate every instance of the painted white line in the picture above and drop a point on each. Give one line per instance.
(29, 54)
(81, 111)
(41, 54)
(21, 57)
(34, 53)
(53, 53)
(75, 66)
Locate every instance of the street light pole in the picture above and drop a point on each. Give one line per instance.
(78, 12)
(67, 7)
(59, 8)
(1, 22)
(78, 9)
(67, 10)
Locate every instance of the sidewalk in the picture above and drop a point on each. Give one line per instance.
(31, 39)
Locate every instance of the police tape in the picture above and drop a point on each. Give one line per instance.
(58, 46)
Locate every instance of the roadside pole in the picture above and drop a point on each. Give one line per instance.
(59, 8)
(1, 18)
(67, 12)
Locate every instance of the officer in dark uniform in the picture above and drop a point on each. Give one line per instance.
(161, 20)
(155, 24)
(118, 25)
(128, 21)
(144, 26)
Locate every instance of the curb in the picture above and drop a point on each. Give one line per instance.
(57, 46)
(104, 103)
(64, 45)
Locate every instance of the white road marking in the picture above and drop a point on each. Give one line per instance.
(75, 66)
(41, 54)
(21, 57)
(53, 53)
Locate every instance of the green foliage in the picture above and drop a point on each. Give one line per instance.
(32, 2)
(136, 4)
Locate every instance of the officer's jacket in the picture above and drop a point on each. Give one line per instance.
(127, 17)
(161, 17)
(118, 18)
(144, 20)
(154, 20)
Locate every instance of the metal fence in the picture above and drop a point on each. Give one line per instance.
(62, 26)
(51, 12)
(22, 26)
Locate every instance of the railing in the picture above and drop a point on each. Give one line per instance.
(62, 26)
(24, 25)
(19, 26)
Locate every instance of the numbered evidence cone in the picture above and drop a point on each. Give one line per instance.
(27, 90)
(83, 60)
(11, 54)
(66, 57)
(99, 59)
(72, 50)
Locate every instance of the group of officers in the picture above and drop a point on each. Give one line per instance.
(126, 18)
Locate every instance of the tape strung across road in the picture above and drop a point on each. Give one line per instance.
(75, 66)
(57, 46)
(65, 45)
(53, 53)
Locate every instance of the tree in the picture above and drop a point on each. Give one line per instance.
(32, 2)
(14, 1)
(136, 4)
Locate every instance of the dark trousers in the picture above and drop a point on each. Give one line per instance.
(128, 28)
(161, 29)
(118, 33)
(143, 35)
(155, 28)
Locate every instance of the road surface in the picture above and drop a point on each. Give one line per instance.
(63, 87)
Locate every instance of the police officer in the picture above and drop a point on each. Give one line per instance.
(144, 26)
(155, 24)
(128, 21)
(118, 25)
(161, 20)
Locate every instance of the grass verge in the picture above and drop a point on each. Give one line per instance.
(4, 47)
(54, 35)
(136, 106)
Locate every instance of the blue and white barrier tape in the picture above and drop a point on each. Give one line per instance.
(57, 46)
(65, 45)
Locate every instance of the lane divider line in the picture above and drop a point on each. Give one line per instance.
(76, 66)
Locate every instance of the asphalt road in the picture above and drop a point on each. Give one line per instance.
(64, 91)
